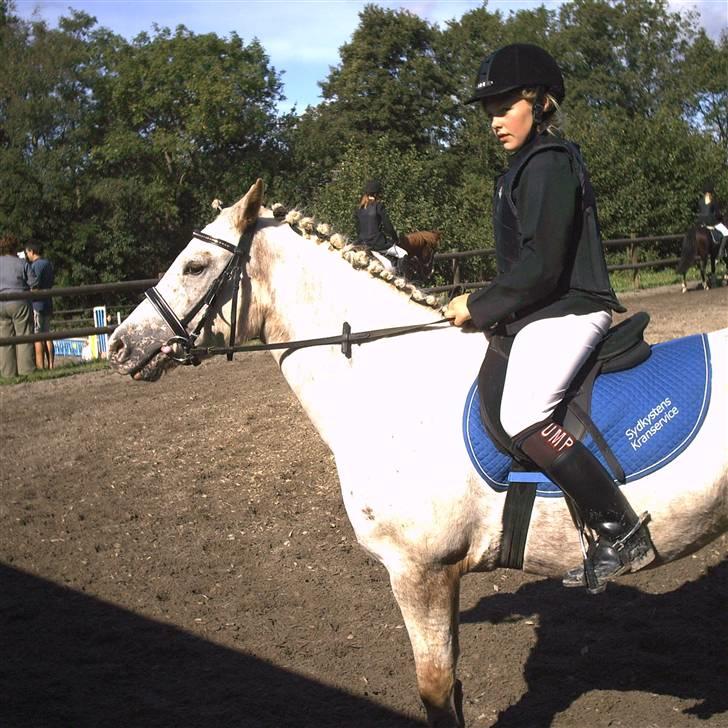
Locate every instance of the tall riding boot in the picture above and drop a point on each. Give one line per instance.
(623, 543)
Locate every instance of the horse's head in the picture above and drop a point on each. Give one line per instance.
(135, 348)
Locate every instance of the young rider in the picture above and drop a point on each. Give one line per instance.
(551, 298)
(373, 226)
(709, 214)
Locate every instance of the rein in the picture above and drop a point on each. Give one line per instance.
(346, 338)
(234, 270)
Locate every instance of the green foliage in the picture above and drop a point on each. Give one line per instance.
(111, 151)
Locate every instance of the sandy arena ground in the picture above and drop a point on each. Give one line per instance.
(177, 555)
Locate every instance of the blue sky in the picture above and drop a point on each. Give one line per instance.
(301, 37)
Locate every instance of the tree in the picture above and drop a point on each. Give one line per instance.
(389, 82)
(625, 54)
(187, 118)
(706, 89)
(44, 103)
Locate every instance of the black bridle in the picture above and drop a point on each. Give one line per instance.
(234, 272)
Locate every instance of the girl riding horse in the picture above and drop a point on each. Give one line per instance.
(550, 304)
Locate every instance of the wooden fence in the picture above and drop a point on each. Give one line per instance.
(632, 244)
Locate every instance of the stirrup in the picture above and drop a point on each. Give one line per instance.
(605, 560)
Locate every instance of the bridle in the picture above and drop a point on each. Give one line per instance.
(234, 271)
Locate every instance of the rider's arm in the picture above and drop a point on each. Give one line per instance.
(546, 200)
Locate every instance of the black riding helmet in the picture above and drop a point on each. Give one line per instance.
(373, 188)
(519, 65)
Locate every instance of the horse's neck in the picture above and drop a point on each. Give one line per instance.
(309, 292)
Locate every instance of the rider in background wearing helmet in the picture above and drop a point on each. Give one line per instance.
(709, 214)
(551, 299)
(373, 226)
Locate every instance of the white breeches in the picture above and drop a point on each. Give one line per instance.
(544, 359)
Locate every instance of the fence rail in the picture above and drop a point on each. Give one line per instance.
(119, 287)
(633, 243)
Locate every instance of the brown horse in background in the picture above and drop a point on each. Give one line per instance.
(420, 246)
(699, 244)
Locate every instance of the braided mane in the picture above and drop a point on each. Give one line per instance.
(358, 256)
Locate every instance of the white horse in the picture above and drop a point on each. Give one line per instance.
(411, 493)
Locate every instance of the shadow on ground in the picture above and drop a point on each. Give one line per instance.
(72, 660)
(673, 644)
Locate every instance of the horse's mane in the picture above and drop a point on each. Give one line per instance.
(358, 256)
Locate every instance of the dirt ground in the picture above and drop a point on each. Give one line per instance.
(177, 554)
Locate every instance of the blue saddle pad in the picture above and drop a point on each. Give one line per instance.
(648, 415)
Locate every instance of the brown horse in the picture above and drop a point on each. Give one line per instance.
(699, 244)
(420, 246)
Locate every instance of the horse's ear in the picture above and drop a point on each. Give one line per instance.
(247, 208)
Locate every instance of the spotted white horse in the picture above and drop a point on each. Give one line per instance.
(418, 505)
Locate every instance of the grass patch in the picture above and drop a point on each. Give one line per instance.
(62, 370)
(623, 280)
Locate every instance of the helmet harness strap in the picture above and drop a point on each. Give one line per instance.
(538, 105)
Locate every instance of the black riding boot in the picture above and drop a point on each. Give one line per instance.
(623, 543)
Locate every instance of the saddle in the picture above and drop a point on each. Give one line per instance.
(715, 234)
(634, 419)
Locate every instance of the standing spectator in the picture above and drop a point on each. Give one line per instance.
(42, 308)
(16, 318)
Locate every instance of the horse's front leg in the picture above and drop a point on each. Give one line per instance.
(706, 282)
(429, 597)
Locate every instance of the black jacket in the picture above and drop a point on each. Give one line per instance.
(548, 245)
(374, 228)
(708, 213)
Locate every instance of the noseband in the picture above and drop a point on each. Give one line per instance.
(234, 271)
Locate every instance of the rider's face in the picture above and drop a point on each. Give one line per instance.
(511, 119)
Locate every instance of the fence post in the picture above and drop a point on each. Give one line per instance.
(455, 271)
(633, 259)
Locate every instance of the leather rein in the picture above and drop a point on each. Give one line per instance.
(234, 271)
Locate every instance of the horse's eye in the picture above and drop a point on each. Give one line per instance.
(193, 268)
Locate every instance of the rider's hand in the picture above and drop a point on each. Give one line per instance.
(457, 310)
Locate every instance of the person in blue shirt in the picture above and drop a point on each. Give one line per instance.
(43, 307)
